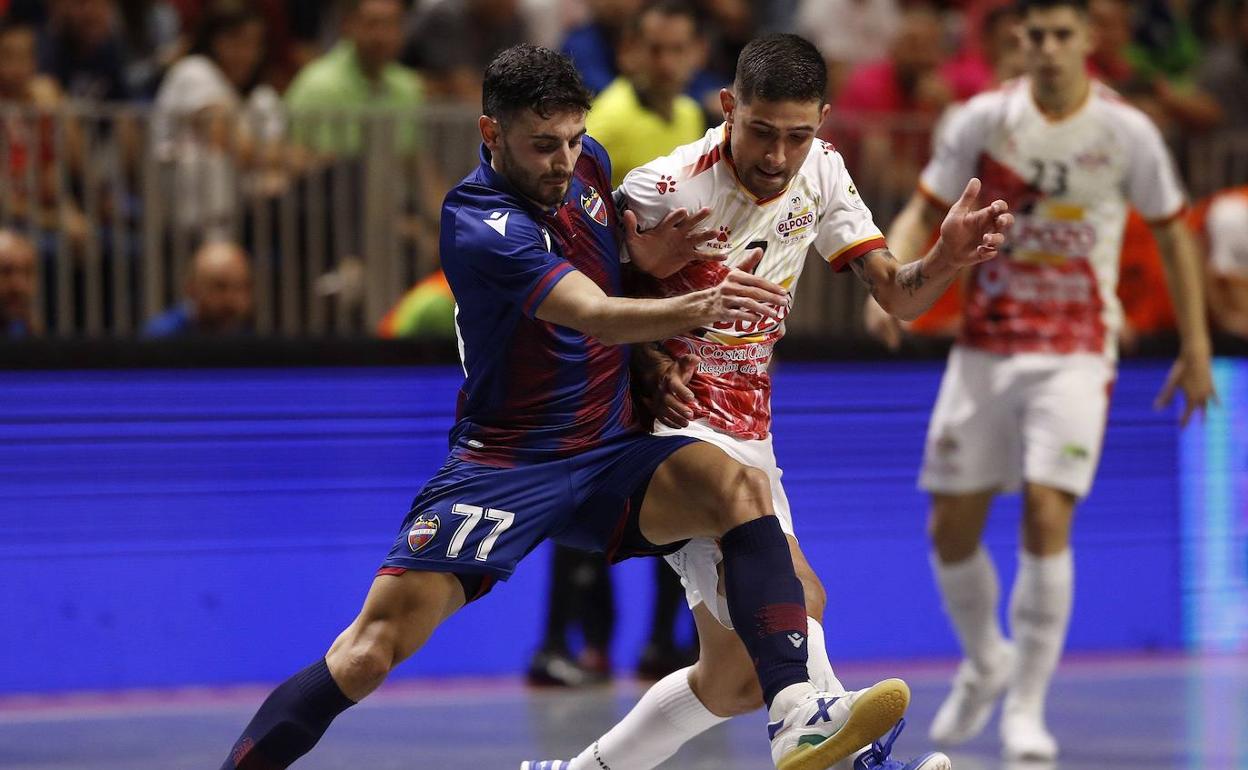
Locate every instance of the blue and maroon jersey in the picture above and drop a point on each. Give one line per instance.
(533, 391)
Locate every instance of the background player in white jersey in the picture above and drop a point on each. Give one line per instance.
(1024, 397)
(775, 194)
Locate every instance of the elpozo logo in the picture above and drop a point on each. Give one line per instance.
(594, 206)
(795, 223)
(423, 530)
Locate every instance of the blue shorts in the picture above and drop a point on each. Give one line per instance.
(482, 520)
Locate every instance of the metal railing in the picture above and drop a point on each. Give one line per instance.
(338, 210)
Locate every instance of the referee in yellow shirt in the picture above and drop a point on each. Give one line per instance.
(645, 113)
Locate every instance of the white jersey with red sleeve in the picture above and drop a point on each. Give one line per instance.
(818, 211)
(1068, 182)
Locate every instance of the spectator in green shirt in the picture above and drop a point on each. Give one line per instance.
(361, 73)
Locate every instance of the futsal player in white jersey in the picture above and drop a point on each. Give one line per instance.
(775, 194)
(1024, 396)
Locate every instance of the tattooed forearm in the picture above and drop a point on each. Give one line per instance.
(911, 277)
(862, 269)
(859, 266)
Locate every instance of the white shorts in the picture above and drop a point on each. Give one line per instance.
(698, 562)
(1002, 419)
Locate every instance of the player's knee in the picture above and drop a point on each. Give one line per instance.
(1047, 516)
(745, 496)
(368, 665)
(951, 537)
(360, 662)
(1045, 534)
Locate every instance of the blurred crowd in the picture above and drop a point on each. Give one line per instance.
(234, 101)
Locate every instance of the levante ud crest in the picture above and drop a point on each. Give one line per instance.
(595, 206)
(423, 530)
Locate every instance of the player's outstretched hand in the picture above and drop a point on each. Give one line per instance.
(671, 244)
(743, 296)
(1194, 375)
(970, 235)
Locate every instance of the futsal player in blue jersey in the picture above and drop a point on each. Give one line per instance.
(546, 444)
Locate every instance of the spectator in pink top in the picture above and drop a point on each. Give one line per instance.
(874, 123)
(991, 53)
(909, 80)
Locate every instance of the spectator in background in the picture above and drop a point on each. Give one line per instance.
(82, 47)
(361, 72)
(594, 47)
(314, 29)
(729, 25)
(1221, 221)
(451, 41)
(151, 34)
(909, 80)
(874, 124)
(426, 311)
(1164, 41)
(34, 190)
(848, 33)
(218, 296)
(18, 284)
(991, 53)
(1170, 98)
(357, 78)
(280, 44)
(1224, 73)
(645, 113)
(213, 117)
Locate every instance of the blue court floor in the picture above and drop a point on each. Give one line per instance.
(1108, 712)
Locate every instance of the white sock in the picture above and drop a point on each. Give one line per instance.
(1039, 615)
(817, 663)
(970, 591)
(667, 716)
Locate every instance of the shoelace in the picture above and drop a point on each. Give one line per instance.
(880, 749)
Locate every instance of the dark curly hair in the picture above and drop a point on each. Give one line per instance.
(535, 78)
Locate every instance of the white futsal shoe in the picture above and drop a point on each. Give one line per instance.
(824, 728)
(1024, 737)
(967, 709)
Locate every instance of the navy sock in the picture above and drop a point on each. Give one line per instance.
(766, 602)
(290, 721)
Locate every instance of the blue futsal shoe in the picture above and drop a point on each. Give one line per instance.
(546, 764)
(877, 756)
